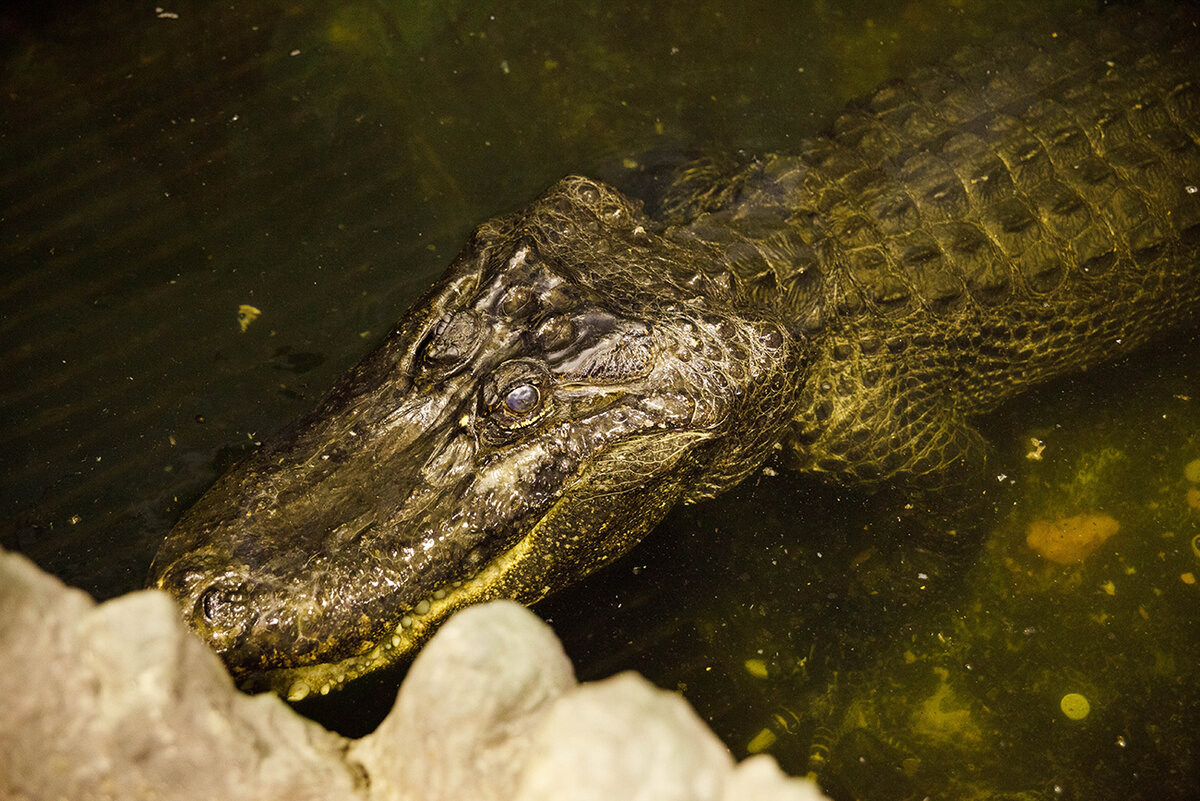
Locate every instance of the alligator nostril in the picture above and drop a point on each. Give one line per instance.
(210, 605)
(222, 606)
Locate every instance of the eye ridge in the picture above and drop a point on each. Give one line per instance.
(451, 342)
(431, 341)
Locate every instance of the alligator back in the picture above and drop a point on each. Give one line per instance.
(992, 222)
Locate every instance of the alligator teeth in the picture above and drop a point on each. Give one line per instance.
(406, 622)
(439, 595)
(297, 691)
(421, 608)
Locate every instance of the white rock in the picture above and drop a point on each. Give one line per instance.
(117, 701)
(461, 722)
(622, 738)
(760, 777)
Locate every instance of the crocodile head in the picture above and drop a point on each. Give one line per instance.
(570, 378)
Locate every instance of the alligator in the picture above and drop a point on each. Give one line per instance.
(583, 366)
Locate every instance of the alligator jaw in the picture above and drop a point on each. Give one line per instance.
(413, 629)
(507, 576)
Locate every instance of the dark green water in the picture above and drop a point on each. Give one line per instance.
(323, 164)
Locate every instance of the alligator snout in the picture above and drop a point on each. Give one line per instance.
(223, 608)
(221, 611)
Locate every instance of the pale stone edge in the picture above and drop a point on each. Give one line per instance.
(119, 701)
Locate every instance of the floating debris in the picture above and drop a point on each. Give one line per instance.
(756, 668)
(1038, 448)
(1070, 540)
(1075, 706)
(1192, 471)
(246, 315)
(761, 741)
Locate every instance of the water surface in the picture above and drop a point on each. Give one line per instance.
(162, 168)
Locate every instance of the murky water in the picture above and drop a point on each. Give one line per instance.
(160, 169)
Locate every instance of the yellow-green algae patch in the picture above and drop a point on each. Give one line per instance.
(945, 715)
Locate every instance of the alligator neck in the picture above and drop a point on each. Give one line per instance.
(988, 225)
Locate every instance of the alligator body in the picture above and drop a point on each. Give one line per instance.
(582, 367)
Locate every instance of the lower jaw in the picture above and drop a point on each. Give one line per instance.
(401, 639)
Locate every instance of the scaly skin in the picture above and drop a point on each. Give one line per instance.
(581, 367)
(987, 225)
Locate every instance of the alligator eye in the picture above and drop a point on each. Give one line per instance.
(523, 399)
(515, 397)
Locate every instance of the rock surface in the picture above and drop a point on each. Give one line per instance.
(119, 701)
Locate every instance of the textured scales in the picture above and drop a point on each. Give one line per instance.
(581, 367)
(981, 227)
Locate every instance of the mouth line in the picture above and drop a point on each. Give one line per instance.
(407, 630)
